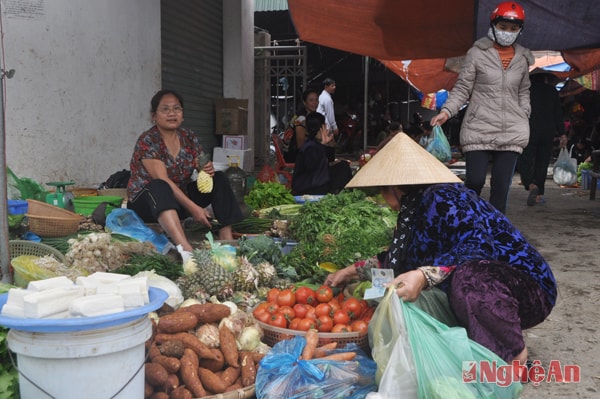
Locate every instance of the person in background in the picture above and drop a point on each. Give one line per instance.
(313, 173)
(310, 101)
(452, 247)
(427, 136)
(494, 80)
(545, 125)
(161, 188)
(327, 109)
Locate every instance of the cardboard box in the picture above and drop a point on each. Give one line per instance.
(231, 116)
(222, 155)
(234, 142)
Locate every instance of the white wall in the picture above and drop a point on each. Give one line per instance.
(85, 71)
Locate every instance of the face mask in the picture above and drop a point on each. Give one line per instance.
(503, 38)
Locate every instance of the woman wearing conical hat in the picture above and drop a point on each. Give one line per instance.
(447, 237)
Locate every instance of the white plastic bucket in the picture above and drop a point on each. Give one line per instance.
(92, 364)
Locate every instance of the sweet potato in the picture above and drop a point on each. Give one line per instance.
(159, 395)
(248, 370)
(189, 341)
(234, 387)
(153, 351)
(155, 374)
(189, 373)
(177, 322)
(312, 340)
(214, 364)
(172, 383)
(171, 364)
(208, 312)
(256, 356)
(181, 392)
(148, 389)
(230, 374)
(164, 310)
(228, 346)
(169, 346)
(340, 357)
(211, 382)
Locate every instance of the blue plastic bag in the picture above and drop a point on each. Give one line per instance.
(282, 376)
(127, 222)
(439, 146)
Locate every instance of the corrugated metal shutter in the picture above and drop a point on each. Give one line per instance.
(192, 60)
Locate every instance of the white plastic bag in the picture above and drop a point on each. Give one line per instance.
(396, 372)
(565, 169)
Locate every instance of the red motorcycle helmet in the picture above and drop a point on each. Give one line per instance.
(508, 11)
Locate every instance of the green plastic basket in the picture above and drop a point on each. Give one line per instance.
(17, 248)
(88, 204)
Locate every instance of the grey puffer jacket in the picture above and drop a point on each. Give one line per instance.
(497, 117)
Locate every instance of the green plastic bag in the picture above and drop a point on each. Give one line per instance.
(439, 147)
(23, 188)
(449, 364)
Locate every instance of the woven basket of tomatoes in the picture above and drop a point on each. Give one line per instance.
(293, 311)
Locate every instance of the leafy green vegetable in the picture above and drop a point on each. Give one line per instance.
(9, 377)
(263, 248)
(341, 229)
(267, 194)
(161, 264)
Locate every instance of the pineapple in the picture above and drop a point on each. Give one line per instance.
(245, 277)
(204, 181)
(216, 280)
(266, 273)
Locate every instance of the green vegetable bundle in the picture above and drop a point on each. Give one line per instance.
(267, 194)
(340, 229)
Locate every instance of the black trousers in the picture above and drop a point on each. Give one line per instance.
(158, 197)
(503, 169)
(533, 163)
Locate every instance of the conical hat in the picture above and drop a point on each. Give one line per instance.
(402, 161)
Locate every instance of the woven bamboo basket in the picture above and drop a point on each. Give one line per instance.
(243, 393)
(48, 220)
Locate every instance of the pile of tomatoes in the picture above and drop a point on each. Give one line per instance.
(303, 308)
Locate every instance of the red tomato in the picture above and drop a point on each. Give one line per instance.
(323, 309)
(311, 312)
(286, 298)
(300, 310)
(278, 320)
(261, 314)
(294, 323)
(306, 295)
(306, 324)
(360, 326)
(272, 307)
(287, 311)
(367, 314)
(352, 306)
(335, 305)
(261, 306)
(340, 328)
(341, 317)
(324, 294)
(324, 323)
(272, 294)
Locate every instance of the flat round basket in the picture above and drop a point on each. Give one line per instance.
(48, 220)
(243, 393)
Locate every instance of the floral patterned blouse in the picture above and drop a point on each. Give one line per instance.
(151, 146)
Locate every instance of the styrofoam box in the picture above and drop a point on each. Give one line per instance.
(222, 155)
(234, 142)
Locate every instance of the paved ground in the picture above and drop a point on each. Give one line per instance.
(566, 230)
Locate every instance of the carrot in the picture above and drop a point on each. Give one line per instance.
(189, 341)
(323, 349)
(211, 381)
(228, 346)
(312, 340)
(341, 357)
(248, 370)
(189, 373)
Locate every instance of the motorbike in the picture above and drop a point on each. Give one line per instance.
(350, 132)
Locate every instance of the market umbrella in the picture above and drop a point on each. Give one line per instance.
(432, 31)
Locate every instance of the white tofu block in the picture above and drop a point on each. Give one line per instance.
(13, 310)
(50, 283)
(107, 288)
(50, 302)
(16, 295)
(105, 277)
(96, 305)
(89, 285)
